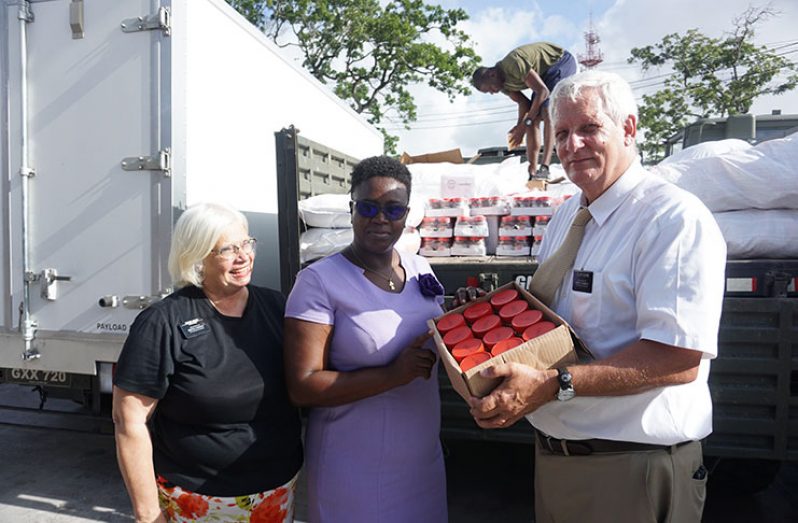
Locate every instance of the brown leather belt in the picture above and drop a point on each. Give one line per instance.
(585, 447)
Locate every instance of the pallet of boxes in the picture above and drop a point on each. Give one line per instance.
(469, 216)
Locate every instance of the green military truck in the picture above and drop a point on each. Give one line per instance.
(754, 380)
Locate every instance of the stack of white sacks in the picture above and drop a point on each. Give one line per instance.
(329, 227)
(751, 190)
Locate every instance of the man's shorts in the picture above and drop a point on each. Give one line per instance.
(562, 68)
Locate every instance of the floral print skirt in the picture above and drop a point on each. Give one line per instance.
(271, 506)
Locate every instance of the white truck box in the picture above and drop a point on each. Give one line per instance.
(206, 93)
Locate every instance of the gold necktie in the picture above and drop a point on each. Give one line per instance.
(548, 277)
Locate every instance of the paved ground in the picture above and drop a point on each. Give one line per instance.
(66, 476)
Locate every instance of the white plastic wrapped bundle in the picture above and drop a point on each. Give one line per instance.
(330, 211)
(318, 242)
(753, 233)
(760, 177)
(410, 241)
(707, 149)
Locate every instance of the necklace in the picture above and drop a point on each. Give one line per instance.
(389, 278)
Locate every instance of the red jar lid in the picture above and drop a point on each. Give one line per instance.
(456, 335)
(539, 328)
(467, 348)
(526, 319)
(494, 336)
(449, 322)
(476, 311)
(505, 345)
(500, 299)
(475, 359)
(512, 309)
(485, 324)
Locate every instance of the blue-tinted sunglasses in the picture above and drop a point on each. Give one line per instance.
(391, 211)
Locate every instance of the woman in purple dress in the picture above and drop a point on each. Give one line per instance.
(358, 353)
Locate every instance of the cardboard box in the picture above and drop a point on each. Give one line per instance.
(451, 156)
(537, 185)
(553, 349)
(460, 185)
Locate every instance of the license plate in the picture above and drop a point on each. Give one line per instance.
(52, 378)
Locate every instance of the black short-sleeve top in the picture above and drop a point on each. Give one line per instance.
(223, 425)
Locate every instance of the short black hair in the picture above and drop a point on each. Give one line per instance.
(479, 77)
(380, 166)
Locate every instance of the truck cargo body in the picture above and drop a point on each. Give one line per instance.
(753, 381)
(115, 117)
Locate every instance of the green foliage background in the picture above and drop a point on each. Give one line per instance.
(370, 54)
(712, 77)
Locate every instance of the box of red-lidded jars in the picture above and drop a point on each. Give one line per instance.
(506, 325)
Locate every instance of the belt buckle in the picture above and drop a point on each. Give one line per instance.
(563, 447)
(548, 439)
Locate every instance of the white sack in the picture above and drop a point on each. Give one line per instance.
(754, 233)
(410, 241)
(760, 177)
(330, 211)
(707, 149)
(317, 242)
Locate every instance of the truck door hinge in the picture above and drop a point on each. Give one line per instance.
(159, 162)
(76, 19)
(157, 21)
(24, 12)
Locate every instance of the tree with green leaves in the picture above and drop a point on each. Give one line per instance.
(712, 77)
(372, 52)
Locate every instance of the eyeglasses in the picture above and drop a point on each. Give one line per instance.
(230, 251)
(391, 211)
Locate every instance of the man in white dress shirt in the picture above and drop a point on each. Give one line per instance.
(618, 438)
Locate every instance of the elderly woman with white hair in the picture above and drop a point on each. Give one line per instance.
(204, 369)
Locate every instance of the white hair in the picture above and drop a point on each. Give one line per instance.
(195, 235)
(615, 94)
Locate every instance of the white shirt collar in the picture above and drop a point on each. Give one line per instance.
(603, 207)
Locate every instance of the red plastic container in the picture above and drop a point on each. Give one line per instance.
(449, 322)
(512, 309)
(477, 311)
(456, 335)
(505, 345)
(525, 320)
(539, 328)
(494, 336)
(467, 348)
(474, 360)
(500, 299)
(485, 324)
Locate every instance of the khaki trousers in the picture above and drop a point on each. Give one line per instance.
(634, 487)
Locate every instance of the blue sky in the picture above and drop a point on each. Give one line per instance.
(496, 27)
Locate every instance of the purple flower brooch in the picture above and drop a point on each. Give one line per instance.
(429, 285)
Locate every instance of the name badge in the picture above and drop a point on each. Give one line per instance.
(194, 328)
(583, 281)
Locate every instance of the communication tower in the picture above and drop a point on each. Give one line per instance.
(593, 56)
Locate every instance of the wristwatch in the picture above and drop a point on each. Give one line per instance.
(528, 122)
(566, 391)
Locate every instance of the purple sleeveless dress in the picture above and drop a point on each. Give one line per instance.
(378, 459)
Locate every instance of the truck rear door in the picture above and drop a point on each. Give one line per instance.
(99, 206)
